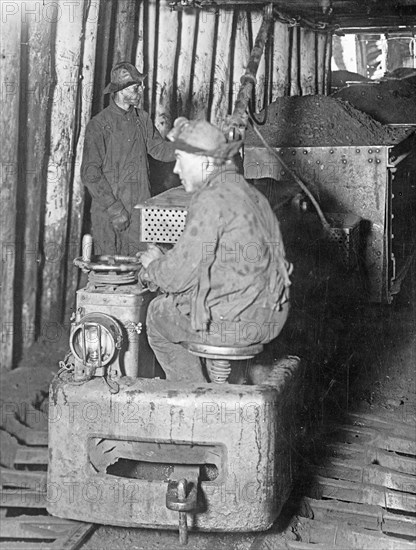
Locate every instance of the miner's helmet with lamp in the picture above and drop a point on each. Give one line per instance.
(200, 137)
(200, 148)
(123, 75)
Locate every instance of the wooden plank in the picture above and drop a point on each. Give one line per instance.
(342, 536)
(31, 455)
(201, 87)
(22, 498)
(16, 528)
(77, 192)
(377, 438)
(294, 545)
(241, 52)
(37, 97)
(371, 473)
(256, 21)
(166, 56)
(320, 61)
(365, 494)
(307, 69)
(140, 40)
(372, 455)
(185, 62)
(60, 164)
(294, 33)
(9, 545)
(102, 72)
(362, 515)
(150, 37)
(125, 24)
(8, 449)
(221, 84)
(75, 538)
(327, 65)
(9, 126)
(20, 478)
(280, 76)
(25, 434)
(66, 535)
(404, 429)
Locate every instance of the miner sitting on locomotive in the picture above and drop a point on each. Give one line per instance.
(226, 280)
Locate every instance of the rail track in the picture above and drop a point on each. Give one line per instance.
(362, 492)
(24, 523)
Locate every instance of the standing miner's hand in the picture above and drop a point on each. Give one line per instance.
(119, 216)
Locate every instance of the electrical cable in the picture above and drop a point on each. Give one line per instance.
(297, 179)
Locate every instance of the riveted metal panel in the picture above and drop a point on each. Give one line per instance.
(351, 180)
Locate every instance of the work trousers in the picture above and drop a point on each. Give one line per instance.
(167, 328)
(108, 241)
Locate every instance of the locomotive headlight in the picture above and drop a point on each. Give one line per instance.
(95, 340)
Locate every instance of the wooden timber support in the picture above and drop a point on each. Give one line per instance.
(9, 62)
(248, 80)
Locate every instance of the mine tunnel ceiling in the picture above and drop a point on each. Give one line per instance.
(343, 13)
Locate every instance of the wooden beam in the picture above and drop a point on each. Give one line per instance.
(361, 515)
(104, 54)
(84, 106)
(307, 62)
(166, 56)
(347, 536)
(365, 493)
(37, 104)
(140, 41)
(9, 130)
(256, 23)
(150, 39)
(201, 87)
(221, 84)
(60, 167)
(125, 24)
(280, 76)
(321, 39)
(185, 62)
(241, 52)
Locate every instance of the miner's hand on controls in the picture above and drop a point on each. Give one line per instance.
(152, 253)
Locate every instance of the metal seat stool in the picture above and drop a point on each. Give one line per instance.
(219, 357)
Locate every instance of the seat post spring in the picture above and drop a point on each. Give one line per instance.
(218, 370)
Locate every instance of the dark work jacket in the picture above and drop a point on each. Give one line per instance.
(115, 165)
(229, 263)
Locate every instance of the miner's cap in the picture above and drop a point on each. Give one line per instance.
(123, 74)
(201, 138)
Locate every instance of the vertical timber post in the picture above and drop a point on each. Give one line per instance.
(10, 27)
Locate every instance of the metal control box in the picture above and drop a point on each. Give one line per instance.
(113, 455)
(128, 305)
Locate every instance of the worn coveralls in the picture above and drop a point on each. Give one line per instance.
(115, 168)
(225, 281)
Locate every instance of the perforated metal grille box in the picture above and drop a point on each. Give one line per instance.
(344, 238)
(162, 218)
(161, 225)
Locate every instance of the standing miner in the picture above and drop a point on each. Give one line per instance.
(115, 166)
(226, 280)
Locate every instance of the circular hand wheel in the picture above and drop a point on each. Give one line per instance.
(114, 264)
